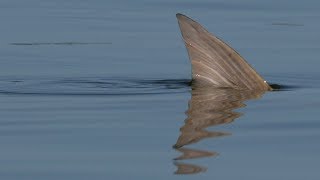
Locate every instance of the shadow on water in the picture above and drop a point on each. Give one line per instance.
(207, 107)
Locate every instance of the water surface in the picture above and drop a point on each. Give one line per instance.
(100, 90)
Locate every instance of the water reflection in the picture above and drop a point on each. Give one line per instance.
(207, 107)
(184, 168)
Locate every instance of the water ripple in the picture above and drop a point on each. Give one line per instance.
(92, 86)
(68, 43)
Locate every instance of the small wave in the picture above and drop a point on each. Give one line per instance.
(58, 43)
(92, 86)
(100, 86)
(286, 24)
(290, 82)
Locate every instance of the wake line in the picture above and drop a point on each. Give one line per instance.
(59, 43)
(92, 86)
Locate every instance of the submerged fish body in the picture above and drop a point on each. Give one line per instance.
(214, 63)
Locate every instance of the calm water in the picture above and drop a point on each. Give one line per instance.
(99, 90)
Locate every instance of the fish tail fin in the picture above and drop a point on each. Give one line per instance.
(214, 63)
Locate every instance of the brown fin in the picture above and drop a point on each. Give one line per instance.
(214, 63)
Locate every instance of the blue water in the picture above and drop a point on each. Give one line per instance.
(100, 90)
